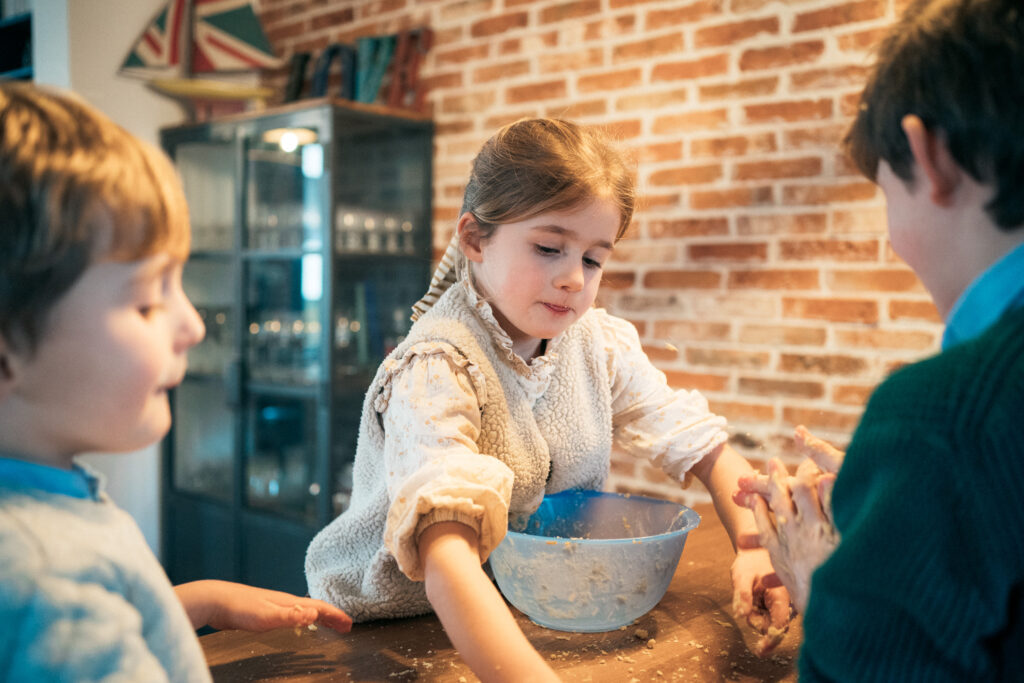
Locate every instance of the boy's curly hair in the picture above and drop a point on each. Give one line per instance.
(75, 188)
(958, 65)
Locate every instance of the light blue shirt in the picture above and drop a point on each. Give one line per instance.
(993, 293)
(78, 482)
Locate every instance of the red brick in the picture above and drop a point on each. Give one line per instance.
(695, 120)
(832, 309)
(780, 387)
(831, 77)
(577, 110)
(609, 27)
(661, 151)
(738, 411)
(869, 219)
(569, 10)
(782, 335)
(827, 194)
(773, 279)
(833, 364)
(735, 145)
(852, 394)
(837, 15)
(535, 91)
(332, 19)
(649, 100)
(687, 175)
(782, 168)
(381, 7)
(914, 310)
(739, 196)
(727, 34)
(571, 61)
(660, 352)
(671, 43)
(874, 280)
(682, 279)
(781, 224)
(828, 137)
(465, 9)
(662, 18)
(792, 110)
(463, 104)
(282, 32)
(494, 25)
(688, 227)
(784, 55)
(461, 55)
(821, 419)
(496, 72)
(909, 340)
(860, 41)
(676, 331)
(829, 249)
(751, 87)
(849, 103)
(609, 80)
(442, 80)
(745, 252)
(696, 68)
(696, 380)
(622, 130)
(749, 360)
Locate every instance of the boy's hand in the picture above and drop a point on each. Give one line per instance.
(760, 598)
(225, 605)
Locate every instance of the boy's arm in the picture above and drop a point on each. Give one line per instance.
(471, 609)
(758, 594)
(227, 605)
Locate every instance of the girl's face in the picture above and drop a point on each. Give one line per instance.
(541, 274)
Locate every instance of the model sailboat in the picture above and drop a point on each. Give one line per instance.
(191, 37)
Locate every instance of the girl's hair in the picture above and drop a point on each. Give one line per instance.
(534, 166)
(75, 188)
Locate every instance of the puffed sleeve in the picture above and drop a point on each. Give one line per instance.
(435, 471)
(673, 429)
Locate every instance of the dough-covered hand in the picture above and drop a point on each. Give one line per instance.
(760, 598)
(227, 605)
(794, 521)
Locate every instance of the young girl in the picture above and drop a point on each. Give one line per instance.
(508, 387)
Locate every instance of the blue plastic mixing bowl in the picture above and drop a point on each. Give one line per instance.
(592, 561)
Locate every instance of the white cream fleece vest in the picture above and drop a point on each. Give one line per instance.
(563, 441)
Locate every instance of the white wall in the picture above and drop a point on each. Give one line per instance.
(79, 45)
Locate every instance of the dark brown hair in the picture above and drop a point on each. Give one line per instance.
(958, 65)
(75, 188)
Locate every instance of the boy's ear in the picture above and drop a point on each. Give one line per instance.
(469, 237)
(933, 158)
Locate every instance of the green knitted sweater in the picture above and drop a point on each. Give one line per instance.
(927, 583)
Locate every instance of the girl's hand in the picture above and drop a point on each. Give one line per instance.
(760, 598)
(225, 605)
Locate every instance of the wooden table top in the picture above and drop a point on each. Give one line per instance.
(690, 635)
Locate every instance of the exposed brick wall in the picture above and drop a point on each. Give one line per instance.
(757, 270)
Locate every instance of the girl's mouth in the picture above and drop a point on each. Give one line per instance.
(560, 310)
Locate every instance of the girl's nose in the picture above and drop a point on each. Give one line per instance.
(570, 276)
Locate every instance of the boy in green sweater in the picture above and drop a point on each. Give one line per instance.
(927, 580)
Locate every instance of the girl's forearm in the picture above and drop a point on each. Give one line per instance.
(720, 471)
(473, 613)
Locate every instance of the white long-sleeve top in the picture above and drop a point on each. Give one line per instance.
(457, 427)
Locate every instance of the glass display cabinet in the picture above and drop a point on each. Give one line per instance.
(310, 243)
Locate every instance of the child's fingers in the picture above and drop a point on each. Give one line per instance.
(827, 456)
(825, 484)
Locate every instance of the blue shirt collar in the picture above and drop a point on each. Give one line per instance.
(78, 482)
(993, 293)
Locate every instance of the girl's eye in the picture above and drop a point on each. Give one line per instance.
(591, 263)
(547, 251)
(147, 310)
